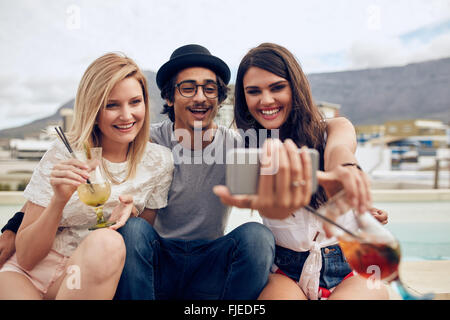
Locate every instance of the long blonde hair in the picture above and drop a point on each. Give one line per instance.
(92, 95)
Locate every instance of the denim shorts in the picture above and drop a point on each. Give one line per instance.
(334, 265)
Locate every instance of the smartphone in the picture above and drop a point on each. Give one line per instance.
(243, 169)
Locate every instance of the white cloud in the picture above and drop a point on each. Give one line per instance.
(438, 48)
(19, 113)
(25, 100)
(385, 51)
(376, 53)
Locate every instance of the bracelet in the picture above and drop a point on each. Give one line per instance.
(352, 164)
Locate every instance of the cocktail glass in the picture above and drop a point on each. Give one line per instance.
(372, 251)
(97, 192)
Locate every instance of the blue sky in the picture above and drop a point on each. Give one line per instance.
(427, 33)
(47, 44)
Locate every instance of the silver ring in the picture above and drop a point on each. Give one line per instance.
(299, 183)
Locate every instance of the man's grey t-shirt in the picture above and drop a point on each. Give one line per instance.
(194, 211)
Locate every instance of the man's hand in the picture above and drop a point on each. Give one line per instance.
(7, 246)
(380, 215)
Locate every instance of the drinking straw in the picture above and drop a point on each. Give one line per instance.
(64, 140)
(313, 211)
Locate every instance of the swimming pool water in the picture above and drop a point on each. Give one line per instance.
(423, 229)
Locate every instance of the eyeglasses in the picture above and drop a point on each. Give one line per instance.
(188, 89)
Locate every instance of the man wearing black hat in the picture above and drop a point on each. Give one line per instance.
(185, 254)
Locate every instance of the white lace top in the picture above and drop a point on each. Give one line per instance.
(149, 189)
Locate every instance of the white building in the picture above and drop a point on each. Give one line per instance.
(329, 110)
(29, 148)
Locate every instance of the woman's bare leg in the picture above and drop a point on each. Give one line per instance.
(280, 287)
(16, 286)
(93, 271)
(359, 288)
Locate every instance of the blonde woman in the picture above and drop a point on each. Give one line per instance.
(56, 256)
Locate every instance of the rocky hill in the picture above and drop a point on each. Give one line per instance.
(373, 96)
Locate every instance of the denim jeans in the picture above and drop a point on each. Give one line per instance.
(235, 266)
(334, 265)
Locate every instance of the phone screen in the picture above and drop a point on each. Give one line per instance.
(243, 170)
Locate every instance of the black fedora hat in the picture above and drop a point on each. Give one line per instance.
(191, 55)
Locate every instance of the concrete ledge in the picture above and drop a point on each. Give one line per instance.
(427, 276)
(389, 195)
(11, 197)
(422, 277)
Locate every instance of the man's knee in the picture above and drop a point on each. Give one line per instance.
(253, 256)
(256, 240)
(138, 233)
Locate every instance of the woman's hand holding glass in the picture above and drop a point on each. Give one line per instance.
(356, 184)
(372, 251)
(67, 175)
(349, 178)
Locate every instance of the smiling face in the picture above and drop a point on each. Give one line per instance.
(123, 116)
(268, 97)
(198, 109)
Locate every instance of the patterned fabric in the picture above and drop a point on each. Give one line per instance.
(149, 189)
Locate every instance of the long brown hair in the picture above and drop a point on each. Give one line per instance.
(304, 125)
(95, 86)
